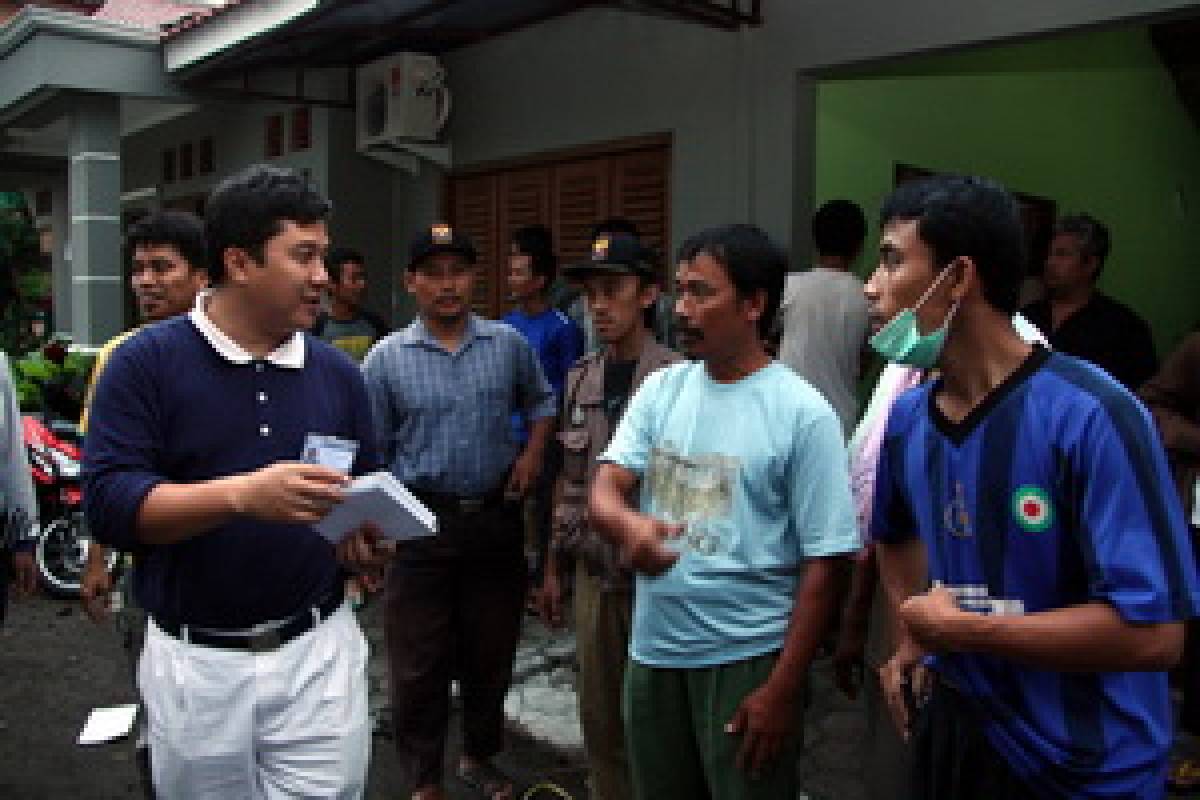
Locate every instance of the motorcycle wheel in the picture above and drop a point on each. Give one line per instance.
(61, 553)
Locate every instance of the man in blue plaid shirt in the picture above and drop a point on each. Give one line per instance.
(443, 391)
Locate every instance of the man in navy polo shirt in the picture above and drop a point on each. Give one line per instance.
(253, 672)
(1030, 488)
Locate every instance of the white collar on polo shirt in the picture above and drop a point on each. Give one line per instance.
(290, 354)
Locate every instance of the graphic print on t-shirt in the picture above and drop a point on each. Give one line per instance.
(1032, 508)
(957, 514)
(695, 490)
(354, 346)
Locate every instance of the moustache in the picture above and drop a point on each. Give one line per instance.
(690, 333)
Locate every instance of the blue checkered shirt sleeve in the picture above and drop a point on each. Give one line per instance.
(443, 418)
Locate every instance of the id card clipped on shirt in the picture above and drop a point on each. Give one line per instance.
(329, 451)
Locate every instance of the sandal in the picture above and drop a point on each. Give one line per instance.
(487, 781)
(1184, 776)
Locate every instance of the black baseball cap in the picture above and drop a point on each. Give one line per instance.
(616, 253)
(440, 238)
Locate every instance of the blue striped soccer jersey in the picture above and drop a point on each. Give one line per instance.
(1053, 492)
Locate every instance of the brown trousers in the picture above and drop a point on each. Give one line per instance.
(454, 611)
(603, 619)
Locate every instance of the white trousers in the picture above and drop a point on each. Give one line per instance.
(233, 725)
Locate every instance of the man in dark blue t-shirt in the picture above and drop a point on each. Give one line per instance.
(253, 672)
(553, 335)
(1031, 490)
(558, 342)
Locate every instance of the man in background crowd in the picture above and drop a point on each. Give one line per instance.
(443, 392)
(167, 272)
(558, 342)
(347, 325)
(1173, 397)
(663, 318)
(18, 503)
(1078, 318)
(620, 285)
(823, 315)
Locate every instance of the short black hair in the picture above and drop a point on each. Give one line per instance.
(839, 228)
(536, 242)
(337, 257)
(967, 216)
(179, 229)
(1092, 235)
(247, 209)
(751, 260)
(614, 225)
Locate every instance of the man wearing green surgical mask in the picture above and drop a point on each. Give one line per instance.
(900, 340)
(1035, 557)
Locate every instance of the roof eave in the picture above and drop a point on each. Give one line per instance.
(32, 20)
(186, 49)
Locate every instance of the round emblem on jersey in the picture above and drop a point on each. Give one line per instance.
(1032, 509)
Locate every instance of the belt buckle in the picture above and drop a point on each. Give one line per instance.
(265, 642)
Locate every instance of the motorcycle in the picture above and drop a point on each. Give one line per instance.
(63, 540)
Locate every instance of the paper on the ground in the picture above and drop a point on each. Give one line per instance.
(108, 724)
(381, 499)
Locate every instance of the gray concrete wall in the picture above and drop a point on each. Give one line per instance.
(238, 133)
(416, 204)
(741, 106)
(603, 75)
(361, 189)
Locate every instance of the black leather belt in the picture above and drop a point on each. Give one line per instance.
(458, 504)
(261, 638)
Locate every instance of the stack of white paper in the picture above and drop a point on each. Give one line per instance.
(108, 724)
(380, 499)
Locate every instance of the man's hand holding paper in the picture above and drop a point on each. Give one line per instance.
(287, 492)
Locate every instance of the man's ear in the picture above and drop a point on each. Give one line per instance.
(648, 295)
(237, 264)
(755, 305)
(966, 279)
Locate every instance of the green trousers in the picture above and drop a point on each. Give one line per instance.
(602, 621)
(675, 730)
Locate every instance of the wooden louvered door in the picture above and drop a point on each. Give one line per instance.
(641, 194)
(581, 199)
(567, 194)
(473, 207)
(524, 200)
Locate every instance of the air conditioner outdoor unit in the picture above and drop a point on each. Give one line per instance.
(401, 98)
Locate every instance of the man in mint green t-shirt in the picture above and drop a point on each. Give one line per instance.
(743, 480)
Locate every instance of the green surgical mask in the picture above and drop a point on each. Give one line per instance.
(901, 342)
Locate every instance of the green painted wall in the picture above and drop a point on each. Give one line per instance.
(1091, 121)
